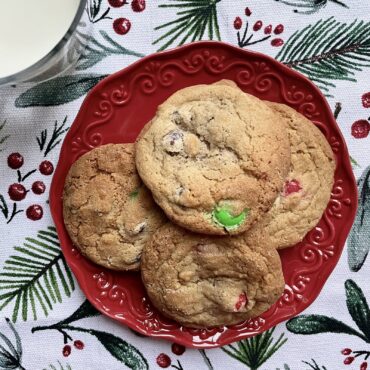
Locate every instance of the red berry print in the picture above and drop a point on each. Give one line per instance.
(242, 301)
(35, 212)
(79, 344)
(238, 23)
(66, 350)
(38, 187)
(268, 29)
(290, 187)
(117, 3)
(366, 100)
(46, 168)
(363, 366)
(163, 360)
(247, 12)
(15, 161)
(360, 129)
(122, 26)
(177, 349)
(346, 351)
(277, 42)
(348, 360)
(257, 26)
(17, 192)
(278, 29)
(138, 5)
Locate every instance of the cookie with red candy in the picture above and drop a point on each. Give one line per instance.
(204, 281)
(307, 189)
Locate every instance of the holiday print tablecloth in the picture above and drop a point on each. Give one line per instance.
(45, 321)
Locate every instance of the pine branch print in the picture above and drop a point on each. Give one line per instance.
(5, 210)
(96, 51)
(118, 348)
(328, 50)
(10, 352)
(93, 8)
(255, 351)
(4, 137)
(314, 365)
(310, 6)
(196, 17)
(37, 276)
(46, 145)
(59, 367)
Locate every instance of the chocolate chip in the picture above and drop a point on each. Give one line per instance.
(173, 141)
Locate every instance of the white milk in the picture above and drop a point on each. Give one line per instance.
(29, 30)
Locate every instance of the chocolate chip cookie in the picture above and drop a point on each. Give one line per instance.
(203, 281)
(214, 158)
(108, 212)
(307, 188)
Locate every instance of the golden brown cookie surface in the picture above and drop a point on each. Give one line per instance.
(203, 281)
(307, 188)
(214, 158)
(108, 212)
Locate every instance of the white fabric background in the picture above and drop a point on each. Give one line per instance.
(23, 124)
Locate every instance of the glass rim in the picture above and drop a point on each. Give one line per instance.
(28, 72)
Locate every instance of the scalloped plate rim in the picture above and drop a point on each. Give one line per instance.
(75, 126)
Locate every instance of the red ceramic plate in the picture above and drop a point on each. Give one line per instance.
(116, 110)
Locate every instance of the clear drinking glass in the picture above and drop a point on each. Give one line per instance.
(62, 57)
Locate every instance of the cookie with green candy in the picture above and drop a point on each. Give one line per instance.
(108, 212)
(214, 158)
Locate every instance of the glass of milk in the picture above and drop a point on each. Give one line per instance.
(40, 39)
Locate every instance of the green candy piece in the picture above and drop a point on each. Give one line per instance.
(222, 216)
(134, 194)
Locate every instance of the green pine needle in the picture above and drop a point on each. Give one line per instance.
(50, 143)
(314, 365)
(310, 6)
(3, 138)
(195, 19)
(328, 51)
(59, 367)
(36, 277)
(254, 351)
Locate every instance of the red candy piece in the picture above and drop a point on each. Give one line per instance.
(360, 129)
(363, 366)
(291, 187)
(238, 23)
(366, 100)
(248, 12)
(163, 360)
(138, 5)
(17, 192)
(35, 212)
(122, 26)
(242, 301)
(15, 161)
